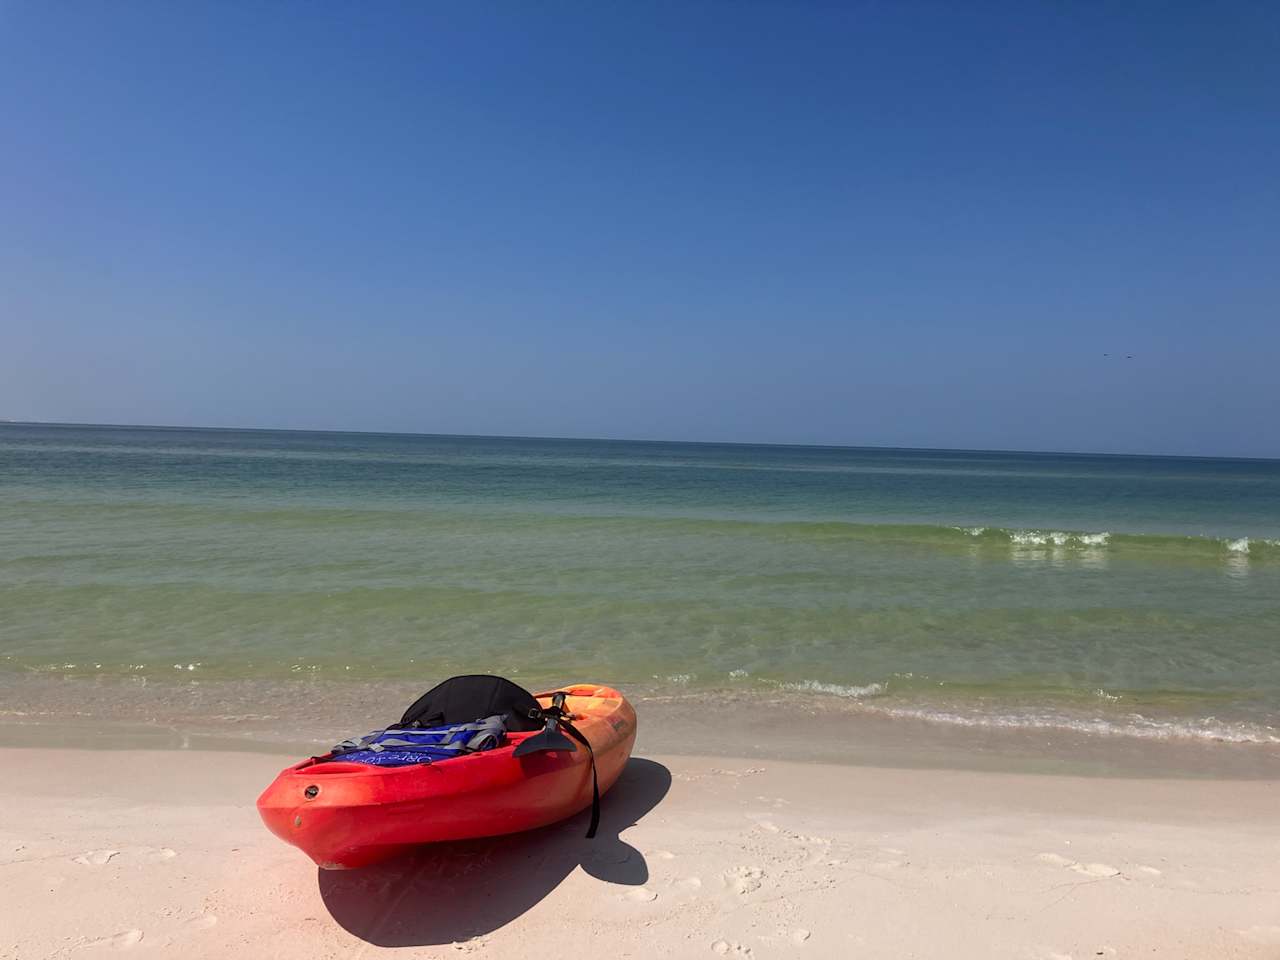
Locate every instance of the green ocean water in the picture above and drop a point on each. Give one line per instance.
(1117, 595)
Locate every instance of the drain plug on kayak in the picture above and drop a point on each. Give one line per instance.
(311, 792)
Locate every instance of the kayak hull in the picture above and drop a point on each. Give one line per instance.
(345, 815)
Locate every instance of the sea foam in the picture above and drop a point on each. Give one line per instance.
(852, 692)
(1132, 725)
(1058, 538)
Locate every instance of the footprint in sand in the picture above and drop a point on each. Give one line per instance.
(119, 941)
(724, 948)
(760, 822)
(1054, 859)
(96, 858)
(202, 922)
(1088, 869)
(642, 895)
(1096, 869)
(663, 855)
(799, 936)
(690, 883)
(618, 853)
(743, 880)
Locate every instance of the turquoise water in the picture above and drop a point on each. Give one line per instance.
(1119, 594)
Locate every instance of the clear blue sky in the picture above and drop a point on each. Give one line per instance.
(867, 223)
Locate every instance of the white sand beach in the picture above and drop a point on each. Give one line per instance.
(151, 853)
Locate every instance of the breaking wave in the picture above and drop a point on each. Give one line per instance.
(851, 692)
(1130, 725)
(1127, 724)
(1254, 547)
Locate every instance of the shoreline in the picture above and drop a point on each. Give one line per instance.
(301, 718)
(697, 857)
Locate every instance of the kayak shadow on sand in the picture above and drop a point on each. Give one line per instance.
(451, 892)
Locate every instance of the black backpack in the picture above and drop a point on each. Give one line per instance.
(464, 699)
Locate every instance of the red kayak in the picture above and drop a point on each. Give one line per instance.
(346, 814)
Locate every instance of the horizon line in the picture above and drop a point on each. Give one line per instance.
(654, 440)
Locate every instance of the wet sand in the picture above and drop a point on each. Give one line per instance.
(306, 717)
